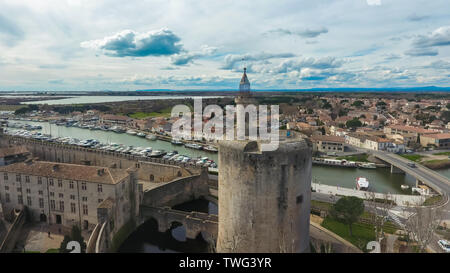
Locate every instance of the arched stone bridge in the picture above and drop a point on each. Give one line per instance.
(194, 222)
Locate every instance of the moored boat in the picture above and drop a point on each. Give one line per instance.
(362, 183)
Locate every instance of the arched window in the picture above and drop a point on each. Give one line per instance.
(179, 173)
(152, 177)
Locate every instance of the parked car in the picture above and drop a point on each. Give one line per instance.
(412, 165)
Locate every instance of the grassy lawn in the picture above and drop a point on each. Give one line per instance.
(432, 200)
(415, 158)
(362, 233)
(360, 158)
(442, 153)
(437, 163)
(163, 113)
(321, 205)
(52, 250)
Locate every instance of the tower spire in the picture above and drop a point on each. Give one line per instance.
(244, 85)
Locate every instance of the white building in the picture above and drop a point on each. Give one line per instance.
(67, 194)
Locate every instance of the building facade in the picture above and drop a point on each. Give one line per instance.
(328, 143)
(67, 194)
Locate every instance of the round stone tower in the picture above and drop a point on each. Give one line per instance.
(264, 196)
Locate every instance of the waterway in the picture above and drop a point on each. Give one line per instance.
(147, 239)
(103, 99)
(381, 180)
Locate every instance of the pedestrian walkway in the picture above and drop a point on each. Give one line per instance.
(38, 239)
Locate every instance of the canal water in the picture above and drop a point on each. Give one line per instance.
(147, 239)
(381, 180)
(103, 99)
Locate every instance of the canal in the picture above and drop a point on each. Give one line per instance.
(147, 239)
(381, 180)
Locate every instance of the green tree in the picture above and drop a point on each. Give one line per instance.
(445, 116)
(358, 103)
(75, 235)
(353, 123)
(347, 210)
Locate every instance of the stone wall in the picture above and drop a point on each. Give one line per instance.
(264, 194)
(178, 191)
(11, 237)
(162, 170)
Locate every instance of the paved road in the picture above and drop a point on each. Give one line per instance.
(424, 174)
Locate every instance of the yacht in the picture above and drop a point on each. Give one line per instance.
(362, 183)
(193, 146)
(131, 132)
(210, 148)
(157, 153)
(368, 165)
(176, 142)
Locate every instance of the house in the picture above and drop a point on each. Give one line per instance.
(13, 154)
(115, 120)
(440, 140)
(324, 143)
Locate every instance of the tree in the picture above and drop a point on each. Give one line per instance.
(348, 209)
(353, 123)
(75, 235)
(358, 103)
(445, 116)
(380, 213)
(421, 226)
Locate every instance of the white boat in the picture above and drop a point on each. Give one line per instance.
(176, 142)
(131, 132)
(140, 134)
(362, 183)
(151, 137)
(334, 162)
(404, 187)
(210, 149)
(193, 146)
(368, 165)
(157, 153)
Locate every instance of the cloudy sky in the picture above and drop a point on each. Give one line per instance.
(170, 44)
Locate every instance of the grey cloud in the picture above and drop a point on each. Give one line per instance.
(418, 52)
(305, 33)
(231, 60)
(439, 37)
(440, 64)
(129, 43)
(296, 65)
(10, 33)
(188, 57)
(415, 18)
(391, 57)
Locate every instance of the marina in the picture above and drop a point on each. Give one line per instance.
(381, 179)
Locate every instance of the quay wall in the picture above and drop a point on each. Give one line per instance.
(399, 199)
(162, 170)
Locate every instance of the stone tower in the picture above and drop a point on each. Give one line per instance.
(264, 196)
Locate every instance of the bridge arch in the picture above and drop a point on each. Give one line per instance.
(178, 230)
